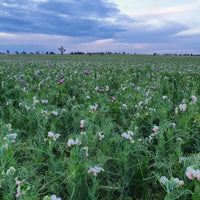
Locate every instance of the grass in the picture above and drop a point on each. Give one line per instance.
(125, 128)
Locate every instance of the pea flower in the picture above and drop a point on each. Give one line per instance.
(194, 99)
(101, 136)
(173, 125)
(95, 170)
(86, 151)
(9, 126)
(86, 72)
(52, 197)
(22, 188)
(183, 107)
(124, 105)
(164, 97)
(35, 101)
(61, 81)
(82, 123)
(128, 136)
(155, 129)
(12, 137)
(54, 113)
(73, 142)
(192, 173)
(11, 170)
(53, 136)
(112, 99)
(94, 107)
(44, 101)
(107, 89)
(164, 180)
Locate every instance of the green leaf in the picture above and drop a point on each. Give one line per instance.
(196, 194)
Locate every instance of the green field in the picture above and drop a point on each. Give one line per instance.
(111, 127)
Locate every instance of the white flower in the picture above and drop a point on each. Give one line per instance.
(54, 197)
(183, 107)
(95, 170)
(124, 105)
(191, 173)
(128, 136)
(174, 125)
(54, 113)
(101, 136)
(54, 136)
(11, 170)
(93, 107)
(73, 142)
(164, 97)
(194, 99)
(44, 101)
(164, 180)
(12, 137)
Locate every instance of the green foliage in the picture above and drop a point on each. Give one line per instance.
(99, 127)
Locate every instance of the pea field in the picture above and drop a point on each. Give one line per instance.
(99, 127)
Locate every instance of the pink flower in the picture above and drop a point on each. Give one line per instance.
(190, 172)
(112, 99)
(18, 194)
(155, 129)
(181, 182)
(18, 182)
(69, 144)
(86, 72)
(82, 123)
(107, 89)
(61, 81)
(89, 171)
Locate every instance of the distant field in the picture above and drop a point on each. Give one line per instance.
(135, 59)
(111, 127)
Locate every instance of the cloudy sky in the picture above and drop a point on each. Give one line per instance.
(133, 26)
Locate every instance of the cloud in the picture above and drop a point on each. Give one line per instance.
(165, 12)
(189, 32)
(72, 18)
(99, 25)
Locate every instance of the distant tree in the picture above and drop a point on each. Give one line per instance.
(8, 52)
(17, 52)
(37, 52)
(62, 50)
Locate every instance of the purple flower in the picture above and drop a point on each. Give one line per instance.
(61, 81)
(86, 72)
(102, 90)
(112, 99)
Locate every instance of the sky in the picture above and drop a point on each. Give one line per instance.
(130, 26)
